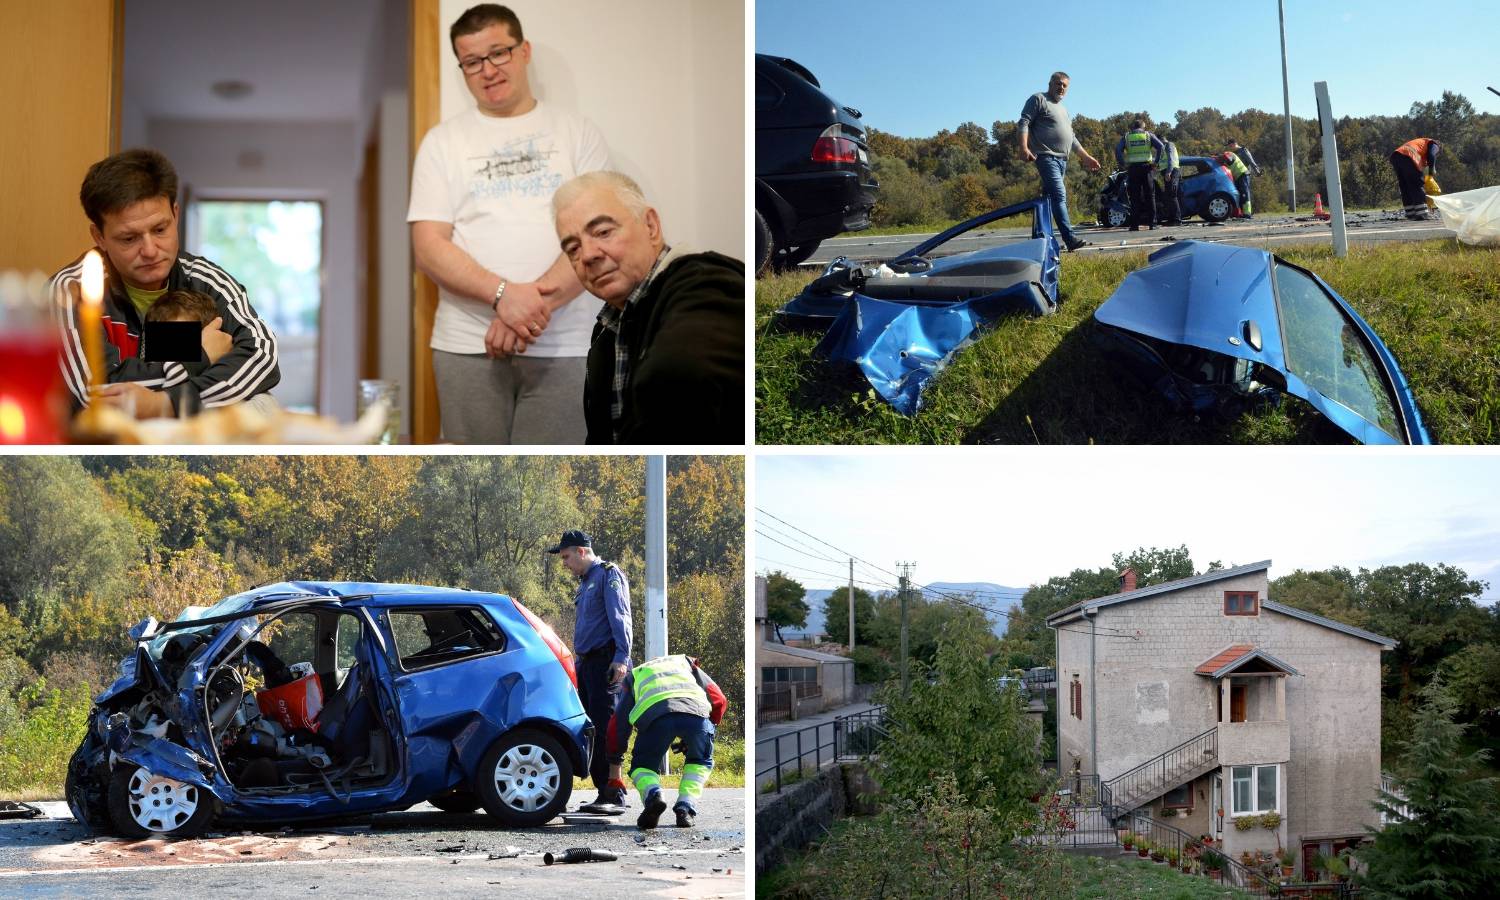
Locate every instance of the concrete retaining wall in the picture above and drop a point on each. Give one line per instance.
(787, 822)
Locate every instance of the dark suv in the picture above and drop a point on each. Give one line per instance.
(812, 165)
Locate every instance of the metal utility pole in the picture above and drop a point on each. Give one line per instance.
(851, 605)
(1286, 100)
(905, 568)
(1331, 170)
(656, 557)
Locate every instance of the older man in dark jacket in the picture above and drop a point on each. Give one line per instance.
(667, 361)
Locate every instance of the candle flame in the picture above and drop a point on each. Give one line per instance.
(93, 277)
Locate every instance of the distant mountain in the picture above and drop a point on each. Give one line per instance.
(995, 596)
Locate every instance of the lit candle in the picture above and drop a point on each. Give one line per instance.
(90, 316)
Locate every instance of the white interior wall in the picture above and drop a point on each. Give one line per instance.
(301, 160)
(665, 82)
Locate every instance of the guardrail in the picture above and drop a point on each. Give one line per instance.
(851, 736)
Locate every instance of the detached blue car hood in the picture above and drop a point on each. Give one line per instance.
(901, 323)
(1247, 304)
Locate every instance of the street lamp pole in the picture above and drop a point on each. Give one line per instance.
(1286, 100)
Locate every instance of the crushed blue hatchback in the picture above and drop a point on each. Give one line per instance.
(312, 700)
(901, 322)
(1216, 328)
(1206, 188)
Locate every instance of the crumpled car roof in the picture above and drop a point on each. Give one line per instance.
(1209, 295)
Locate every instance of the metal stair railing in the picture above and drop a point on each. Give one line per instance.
(1232, 871)
(1156, 774)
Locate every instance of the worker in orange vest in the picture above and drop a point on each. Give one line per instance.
(1409, 160)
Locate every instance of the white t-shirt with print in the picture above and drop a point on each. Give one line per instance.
(493, 178)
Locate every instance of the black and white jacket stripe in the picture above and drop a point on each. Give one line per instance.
(250, 367)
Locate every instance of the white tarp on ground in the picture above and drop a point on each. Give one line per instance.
(1474, 215)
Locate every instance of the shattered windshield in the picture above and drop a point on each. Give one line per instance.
(184, 637)
(1327, 351)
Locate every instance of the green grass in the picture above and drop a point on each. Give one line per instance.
(1095, 878)
(1436, 304)
(728, 771)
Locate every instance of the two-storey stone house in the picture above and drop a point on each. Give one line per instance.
(1207, 698)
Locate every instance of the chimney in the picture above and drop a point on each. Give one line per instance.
(1127, 580)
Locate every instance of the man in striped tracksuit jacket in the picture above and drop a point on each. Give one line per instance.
(131, 202)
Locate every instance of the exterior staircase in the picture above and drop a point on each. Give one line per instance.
(1193, 757)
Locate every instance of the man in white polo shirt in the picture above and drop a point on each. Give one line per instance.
(511, 337)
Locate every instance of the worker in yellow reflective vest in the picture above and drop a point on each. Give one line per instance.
(1138, 151)
(1240, 164)
(668, 698)
(1170, 203)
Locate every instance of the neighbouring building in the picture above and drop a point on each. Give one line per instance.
(1205, 701)
(794, 681)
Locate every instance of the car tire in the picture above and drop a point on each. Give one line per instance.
(525, 779)
(791, 257)
(765, 244)
(143, 804)
(1217, 207)
(455, 801)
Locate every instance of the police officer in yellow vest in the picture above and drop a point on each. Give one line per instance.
(1170, 167)
(1240, 174)
(1138, 150)
(665, 698)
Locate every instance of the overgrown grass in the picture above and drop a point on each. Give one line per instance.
(728, 771)
(808, 875)
(1436, 304)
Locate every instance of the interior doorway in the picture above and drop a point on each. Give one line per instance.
(275, 249)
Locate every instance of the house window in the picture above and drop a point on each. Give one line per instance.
(1075, 698)
(1241, 603)
(1178, 797)
(1254, 790)
(788, 674)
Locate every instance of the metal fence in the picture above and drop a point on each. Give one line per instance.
(1388, 785)
(786, 757)
(776, 700)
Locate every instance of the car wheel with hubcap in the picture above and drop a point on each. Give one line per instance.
(143, 803)
(1218, 207)
(525, 779)
(1114, 217)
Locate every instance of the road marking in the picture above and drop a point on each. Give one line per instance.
(444, 859)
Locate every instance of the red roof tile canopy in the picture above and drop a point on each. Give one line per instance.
(1233, 654)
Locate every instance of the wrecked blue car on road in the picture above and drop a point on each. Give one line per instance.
(901, 322)
(1216, 328)
(311, 700)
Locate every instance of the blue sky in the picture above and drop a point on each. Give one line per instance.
(915, 68)
(1018, 516)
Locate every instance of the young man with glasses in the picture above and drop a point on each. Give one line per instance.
(512, 330)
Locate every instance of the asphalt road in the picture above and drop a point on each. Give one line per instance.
(1264, 230)
(421, 852)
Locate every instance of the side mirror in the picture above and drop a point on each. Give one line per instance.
(145, 630)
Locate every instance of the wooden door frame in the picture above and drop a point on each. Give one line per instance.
(426, 111)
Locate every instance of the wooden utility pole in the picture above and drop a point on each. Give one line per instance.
(851, 605)
(905, 589)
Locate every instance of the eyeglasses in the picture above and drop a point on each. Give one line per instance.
(496, 58)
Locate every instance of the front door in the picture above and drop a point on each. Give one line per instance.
(1237, 702)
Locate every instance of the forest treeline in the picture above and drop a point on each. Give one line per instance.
(971, 169)
(91, 545)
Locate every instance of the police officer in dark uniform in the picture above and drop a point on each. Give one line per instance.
(601, 641)
(1139, 150)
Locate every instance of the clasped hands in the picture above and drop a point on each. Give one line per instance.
(520, 318)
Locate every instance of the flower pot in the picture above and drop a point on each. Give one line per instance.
(1286, 871)
(1143, 852)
